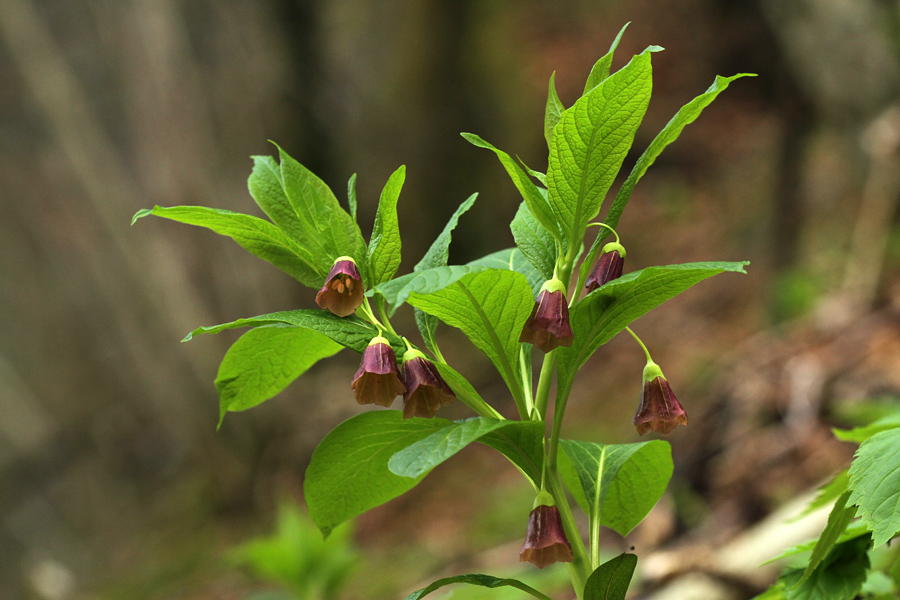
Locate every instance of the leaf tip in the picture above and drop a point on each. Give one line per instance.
(141, 214)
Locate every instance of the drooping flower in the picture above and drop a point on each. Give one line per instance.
(659, 411)
(548, 326)
(426, 390)
(609, 267)
(343, 290)
(545, 540)
(378, 380)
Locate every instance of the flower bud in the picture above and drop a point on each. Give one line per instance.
(545, 540)
(343, 290)
(378, 380)
(609, 267)
(548, 326)
(426, 390)
(659, 411)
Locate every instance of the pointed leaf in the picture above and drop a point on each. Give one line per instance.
(266, 360)
(257, 236)
(828, 493)
(534, 241)
(875, 484)
(482, 580)
(610, 580)
(348, 473)
(600, 71)
(853, 531)
(838, 577)
(861, 434)
(384, 247)
(621, 482)
(351, 196)
(553, 111)
(589, 144)
(840, 517)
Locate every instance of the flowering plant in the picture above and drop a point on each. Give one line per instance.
(509, 303)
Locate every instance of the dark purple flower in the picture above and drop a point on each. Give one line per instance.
(343, 290)
(548, 326)
(545, 541)
(659, 411)
(609, 267)
(426, 390)
(378, 381)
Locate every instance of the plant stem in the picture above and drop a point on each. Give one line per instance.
(647, 352)
(382, 312)
(542, 397)
(580, 567)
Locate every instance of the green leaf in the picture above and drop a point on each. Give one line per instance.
(621, 482)
(534, 241)
(426, 454)
(257, 236)
(570, 479)
(611, 579)
(348, 473)
(600, 71)
(437, 256)
(491, 308)
(464, 390)
(686, 115)
(838, 577)
(351, 195)
(512, 259)
(553, 111)
(853, 531)
(840, 517)
(606, 311)
(350, 332)
(861, 434)
(266, 360)
(590, 143)
(523, 444)
(875, 484)
(384, 247)
(397, 291)
(828, 493)
(530, 192)
(482, 580)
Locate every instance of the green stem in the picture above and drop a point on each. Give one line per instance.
(542, 397)
(382, 312)
(580, 567)
(647, 352)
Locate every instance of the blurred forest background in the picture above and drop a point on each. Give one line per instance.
(113, 480)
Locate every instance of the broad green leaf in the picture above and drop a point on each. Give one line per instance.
(397, 291)
(589, 144)
(606, 311)
(523, 444)
(437, 256)
(686, 115)
(257, 236)
(621, 482)
(512, 259)
(350, 332)
(861, 434)
(384, 247)
(491, 308)
(838, 577)
(570, 479)
(426, 454)
(264, 361)
(611, 579)
(828, 493)
(482, 580)
(534, 241)
(553, 110)
(875, 484)
(853, 531)
(600, 71)
(530, 192)
(838, 520)
(351, 195)
(348, 473)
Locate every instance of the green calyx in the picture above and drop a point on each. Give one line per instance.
(379, 340)
(554, 285)
(614, 246)
(652, 371)
(412, 353)
(544, 498)
(342, 258)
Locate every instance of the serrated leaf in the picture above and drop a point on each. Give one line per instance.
(686, 115)
(481, 580)
(606, 311)
(610, 580)
(875, 484)
(491, 308)
(838, 520)
(530, 192)
(600, 71)
(861, 434)
(589, 144)
(348, 473)
(257, 236)
(384, 247)
(424, 455)
(264, 361)
(512, 259)
(534, 241)
(350, 332)
(621, 482)
(397, 291)
(553, 110)
(838, 577)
